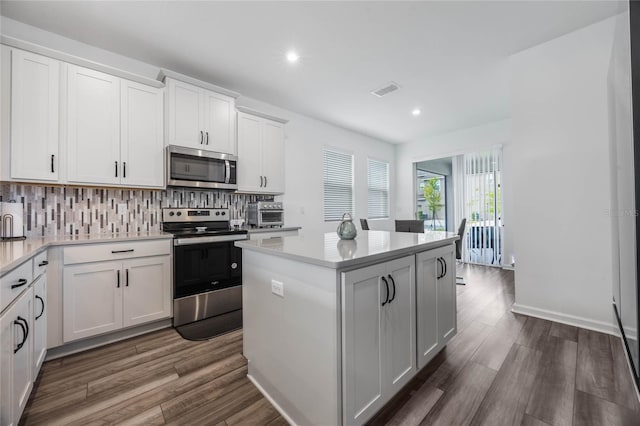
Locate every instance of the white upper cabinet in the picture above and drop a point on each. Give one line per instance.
(260, 154)
(200, 118)
(35, 97)
(141, 142)
(93, 128)
(114, 131)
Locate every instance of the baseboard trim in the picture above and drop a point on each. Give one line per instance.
(105, 339)
(271, 400)
(581, 322)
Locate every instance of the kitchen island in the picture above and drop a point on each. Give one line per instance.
(334, 329)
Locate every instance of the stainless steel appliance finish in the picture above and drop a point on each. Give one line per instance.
(196, 168)
(207, 271)
(265, 214)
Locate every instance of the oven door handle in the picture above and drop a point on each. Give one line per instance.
(227, 171)
(212, 239)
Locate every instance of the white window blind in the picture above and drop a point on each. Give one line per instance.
(338, 184)
(378, 193)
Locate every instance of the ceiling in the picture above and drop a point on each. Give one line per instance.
(449, 57)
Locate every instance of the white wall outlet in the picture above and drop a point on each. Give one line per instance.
(277, 288)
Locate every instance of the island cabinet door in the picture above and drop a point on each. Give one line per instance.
(363, 302)
(447, 315)
(428, 268)
(399, 327)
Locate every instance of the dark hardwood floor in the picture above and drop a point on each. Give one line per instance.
(501, 369)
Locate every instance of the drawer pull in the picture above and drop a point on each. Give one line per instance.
(122, 251)
(25, 332)
(43, 263)
(21, 282)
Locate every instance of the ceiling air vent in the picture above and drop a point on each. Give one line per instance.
(386, 89)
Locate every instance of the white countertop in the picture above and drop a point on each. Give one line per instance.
(368, 247)
(281, 229)
(14, 253)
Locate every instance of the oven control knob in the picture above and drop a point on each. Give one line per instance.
(171, 213)
(217, 213)
(234, 265)
(179, 213)
(223, 213)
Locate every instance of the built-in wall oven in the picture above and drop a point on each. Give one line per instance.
(189, 167)
(207, 272)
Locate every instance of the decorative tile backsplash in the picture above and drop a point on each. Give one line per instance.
(59, 210)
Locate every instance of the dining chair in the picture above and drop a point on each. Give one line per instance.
(416, 226)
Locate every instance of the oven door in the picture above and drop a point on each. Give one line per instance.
(271, 217)
(199, 268)
(204, 169)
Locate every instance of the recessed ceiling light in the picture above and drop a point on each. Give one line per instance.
(292, 57)
(416, 112)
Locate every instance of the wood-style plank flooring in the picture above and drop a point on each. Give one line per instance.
(501, 368)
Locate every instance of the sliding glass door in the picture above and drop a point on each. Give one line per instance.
(483, 207)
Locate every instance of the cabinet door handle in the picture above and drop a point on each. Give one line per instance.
(201, 137)
(21, 282)
(393, 282)
(41, 301)
(386, 286)
(260, 181)
(126, 277)
(265, 182)
(439, 273)
(43, 263)
(124, 169)
(25, 332)
(53, 157)
(207, 141)
(116, 169)
(444, 263)
(118, 279)
(122, 251)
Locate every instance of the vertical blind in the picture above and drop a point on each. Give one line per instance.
(378, 192)
(483, 207)
(338, 184)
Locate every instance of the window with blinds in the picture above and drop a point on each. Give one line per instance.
(378, 189)
(338, 184)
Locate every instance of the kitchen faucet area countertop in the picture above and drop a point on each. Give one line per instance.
(13, 253)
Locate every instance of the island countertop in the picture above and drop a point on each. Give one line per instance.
(368, 247)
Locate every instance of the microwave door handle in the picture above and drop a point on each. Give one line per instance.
(227, 173)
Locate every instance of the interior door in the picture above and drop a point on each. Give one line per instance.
(93, 145)
(399, 328)
(142, 144)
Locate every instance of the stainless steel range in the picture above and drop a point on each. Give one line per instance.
(207, 271)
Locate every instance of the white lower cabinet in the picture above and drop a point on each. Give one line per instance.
(436, 301)
(99, 297)
(39, 323)
(16, 354)
(378, 335)
(147, 291)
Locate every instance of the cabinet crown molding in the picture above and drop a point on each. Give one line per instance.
(252, 111)
(163, 74)
(76, 60)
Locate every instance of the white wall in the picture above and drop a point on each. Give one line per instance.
(303, 148)
(561, 178)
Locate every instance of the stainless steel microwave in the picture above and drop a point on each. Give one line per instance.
(195, 168)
